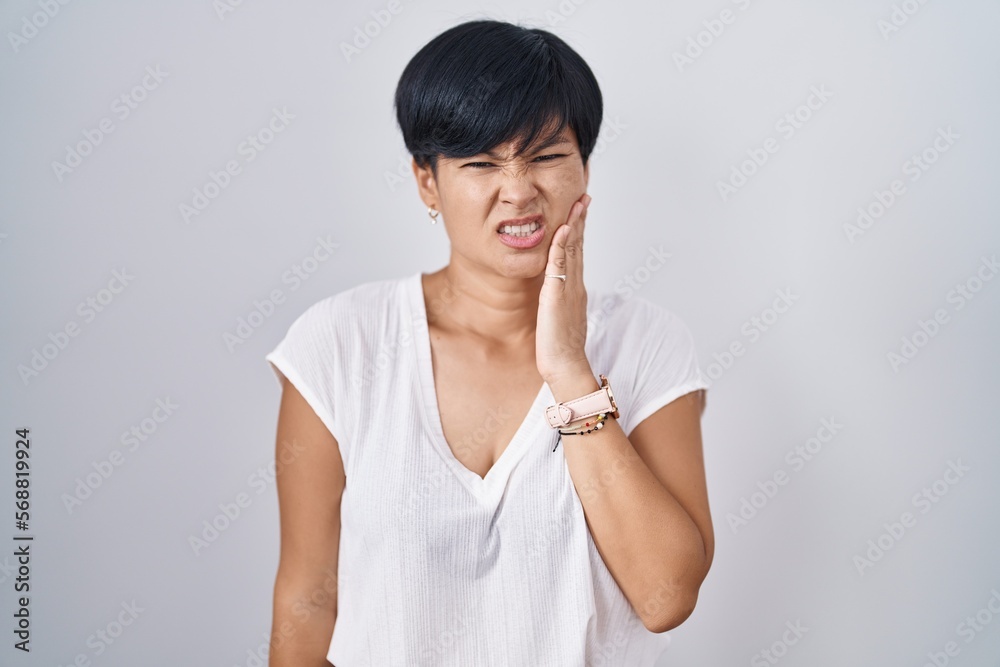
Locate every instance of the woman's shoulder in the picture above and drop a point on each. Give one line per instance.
(353, 303)
(340, 327)
(620, 317)
(647, 351)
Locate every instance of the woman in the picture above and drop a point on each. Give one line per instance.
(450, 500)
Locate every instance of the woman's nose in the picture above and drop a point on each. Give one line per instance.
(517, 186)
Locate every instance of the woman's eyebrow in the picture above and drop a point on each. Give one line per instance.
(555, 141)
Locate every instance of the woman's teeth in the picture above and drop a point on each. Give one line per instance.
(520, 230)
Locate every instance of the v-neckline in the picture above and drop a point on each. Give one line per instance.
(485, 488)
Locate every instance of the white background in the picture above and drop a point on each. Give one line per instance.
(671, 135)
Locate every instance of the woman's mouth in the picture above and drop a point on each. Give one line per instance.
(524, 235)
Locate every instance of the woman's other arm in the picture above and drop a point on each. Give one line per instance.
(310, 483)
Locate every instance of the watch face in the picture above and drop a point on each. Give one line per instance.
(607, 385)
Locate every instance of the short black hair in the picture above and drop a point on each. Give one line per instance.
(483, 83)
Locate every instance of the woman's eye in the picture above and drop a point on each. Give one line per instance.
(542, 158)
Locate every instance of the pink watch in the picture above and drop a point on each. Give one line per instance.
(602, 400)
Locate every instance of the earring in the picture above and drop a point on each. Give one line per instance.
(434, 214)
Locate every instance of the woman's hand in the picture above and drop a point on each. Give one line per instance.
(561, 330)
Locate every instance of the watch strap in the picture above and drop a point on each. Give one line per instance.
(563, 414)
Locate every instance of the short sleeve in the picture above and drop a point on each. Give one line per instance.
(661, 353)
(305, 356)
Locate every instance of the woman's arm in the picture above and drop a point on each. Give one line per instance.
(310, 481)
(646, 502)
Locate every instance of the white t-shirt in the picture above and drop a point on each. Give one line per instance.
(438, 566)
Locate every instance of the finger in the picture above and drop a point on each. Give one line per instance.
(580, 224)
(574, 243)
(564, 237)
(556, 264)
(574, 248)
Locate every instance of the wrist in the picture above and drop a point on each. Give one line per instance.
(581, 423)
(573, 384)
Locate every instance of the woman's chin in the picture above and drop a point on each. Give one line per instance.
(524, 266)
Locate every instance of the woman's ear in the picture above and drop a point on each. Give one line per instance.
(426, 184)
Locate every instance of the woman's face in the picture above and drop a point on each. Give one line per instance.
(476, 194)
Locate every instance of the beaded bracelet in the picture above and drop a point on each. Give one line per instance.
(598, 424)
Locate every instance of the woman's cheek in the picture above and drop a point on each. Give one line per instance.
(567, 183)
